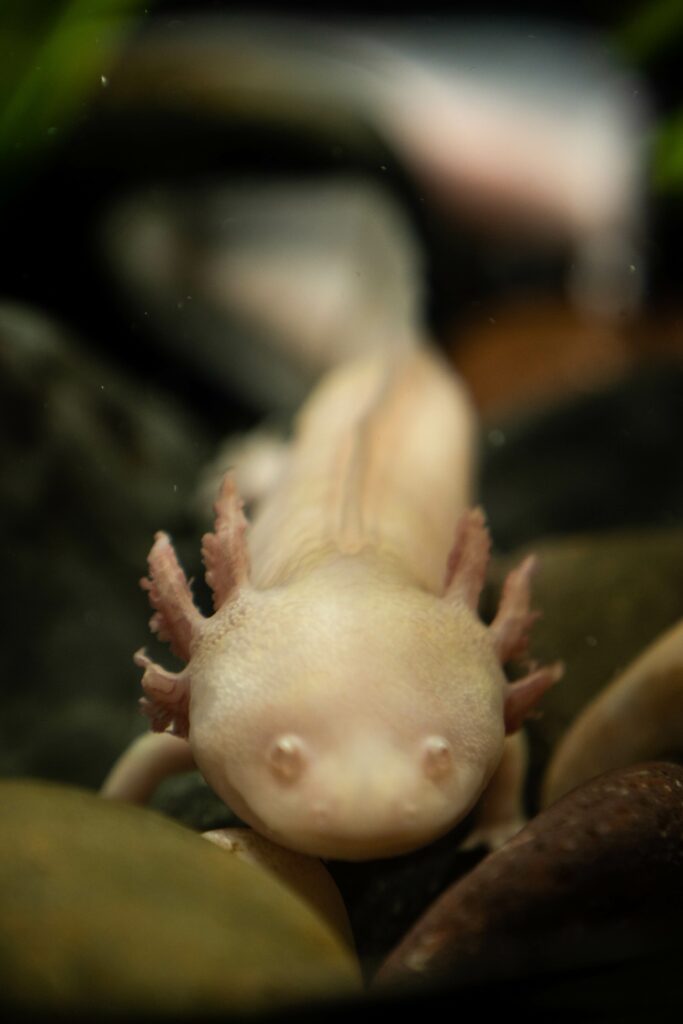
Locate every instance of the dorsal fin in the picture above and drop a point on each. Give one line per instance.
(352, 527)
(224, 552)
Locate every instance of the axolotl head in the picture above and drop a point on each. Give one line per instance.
(354, 723)
(344, 715)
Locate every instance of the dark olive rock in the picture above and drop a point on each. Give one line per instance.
(191, 801)
(603, 598)
(97, 461)
(597, 876)
(637, 717)
(604, 460)
(104, 905)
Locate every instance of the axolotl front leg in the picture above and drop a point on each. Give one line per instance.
(169, 697)
(151, 758)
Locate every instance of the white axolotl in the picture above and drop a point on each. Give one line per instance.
(345, 699)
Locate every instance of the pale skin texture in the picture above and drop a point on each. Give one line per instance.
(345, 699)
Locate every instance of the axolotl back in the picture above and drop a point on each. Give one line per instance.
(344, 698)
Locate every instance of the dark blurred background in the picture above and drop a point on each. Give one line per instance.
(69, 149)
(202, 208)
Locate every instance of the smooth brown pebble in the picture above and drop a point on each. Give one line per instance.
(593, 878)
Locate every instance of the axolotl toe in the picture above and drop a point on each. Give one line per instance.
(345, 699)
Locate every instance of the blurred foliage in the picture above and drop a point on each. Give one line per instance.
(668, 156)
(55, 55)
(652, 27)
(652, 33)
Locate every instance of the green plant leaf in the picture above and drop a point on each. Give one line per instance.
(55, 57)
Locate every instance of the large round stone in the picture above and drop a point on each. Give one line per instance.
(108, 905)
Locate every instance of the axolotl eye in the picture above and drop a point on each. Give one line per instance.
(357, 793)
(437, 758)
(286, 758)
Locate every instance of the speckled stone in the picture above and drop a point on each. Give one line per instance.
(107, 905)
(597, 876)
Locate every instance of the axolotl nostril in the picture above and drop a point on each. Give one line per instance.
(345, 699)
